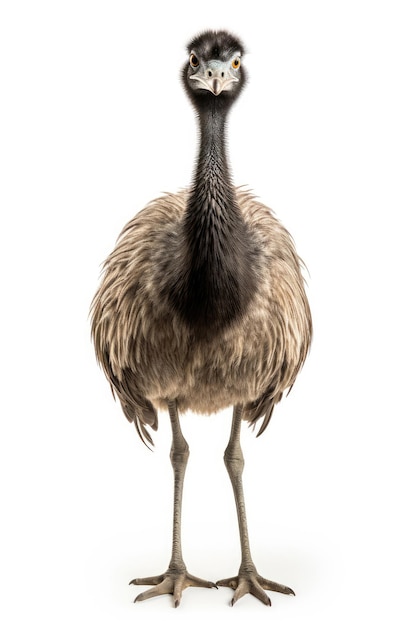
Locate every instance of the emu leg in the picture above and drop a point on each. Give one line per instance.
(248, 579)
(176, 578)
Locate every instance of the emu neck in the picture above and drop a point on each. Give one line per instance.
(212, 213)
(212, 200)
(216, 277)
(212, 178)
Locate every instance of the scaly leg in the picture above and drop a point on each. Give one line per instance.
(248, 579)
(176, 578)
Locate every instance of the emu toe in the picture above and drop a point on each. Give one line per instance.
(251, 582)
(173, 582)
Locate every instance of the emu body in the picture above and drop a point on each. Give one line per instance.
(202, 304)
(150, 354)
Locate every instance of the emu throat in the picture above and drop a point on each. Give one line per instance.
(217, 276)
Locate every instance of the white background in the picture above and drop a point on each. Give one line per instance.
(94, 123)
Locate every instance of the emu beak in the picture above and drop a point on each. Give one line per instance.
(216, 85)
(216, 78)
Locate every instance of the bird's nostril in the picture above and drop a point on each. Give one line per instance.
(210, 73)
(222, 74)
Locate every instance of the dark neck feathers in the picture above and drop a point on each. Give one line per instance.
(217, 277)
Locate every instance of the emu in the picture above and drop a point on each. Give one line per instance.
(202, 306)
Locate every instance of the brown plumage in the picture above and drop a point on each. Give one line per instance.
(149, 355)
(202, 302)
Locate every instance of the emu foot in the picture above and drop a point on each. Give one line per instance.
(250, 582)
(172, 581)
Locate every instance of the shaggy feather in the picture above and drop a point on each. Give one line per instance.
(150, 355)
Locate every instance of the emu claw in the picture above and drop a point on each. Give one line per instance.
(171, 581)
(254, 584)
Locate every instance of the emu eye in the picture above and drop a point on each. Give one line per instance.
(194, 62)
(236, 63)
